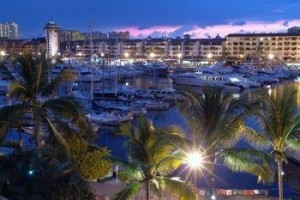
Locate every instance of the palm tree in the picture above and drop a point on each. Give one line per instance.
(34, 91)
(280, 121)
(41, 174)
(217, 122)
(152, 157)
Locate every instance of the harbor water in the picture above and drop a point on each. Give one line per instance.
(226, 179)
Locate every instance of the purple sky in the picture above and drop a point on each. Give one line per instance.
(200, 18)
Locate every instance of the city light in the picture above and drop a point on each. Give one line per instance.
(209, 56)
(2, 53)
(271, 56)
(152, 55)
(30, 172)
(179, 55)
(126, 54)
(102, 54)
(195, 160)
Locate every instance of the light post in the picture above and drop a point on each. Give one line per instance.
(271, 56)
(2, 53)
(152, 56)
(195, 160)
(209, 56)
(126, 55)
(179, 56)
(102, 68)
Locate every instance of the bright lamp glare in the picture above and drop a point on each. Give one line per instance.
(195, 160)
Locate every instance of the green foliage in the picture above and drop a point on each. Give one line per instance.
(213, 119)
(35, 92)
(39, 175)
(255, 162)
(153, 155)
(89, 162)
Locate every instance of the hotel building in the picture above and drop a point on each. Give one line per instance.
(52, 39)
(275, 46)
(9, 30)
(149, 48)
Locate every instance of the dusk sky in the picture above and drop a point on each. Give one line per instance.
(200, 18)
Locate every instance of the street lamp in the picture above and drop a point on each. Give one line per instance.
(271, 56)
(152, 55)
(195, 159)
(209, 56)
(179, 56)
(2, 53)
(126, 55)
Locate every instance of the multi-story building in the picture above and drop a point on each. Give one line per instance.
(174, 48)
(19, 46)
(52, 39)
(132, 48)
(155, 47)
(211, 49)
(70, 35)
(9, 30)
(149, 48)
(264, 46)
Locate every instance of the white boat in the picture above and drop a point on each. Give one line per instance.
(30, 129)
(135, 109)
(113, 118)
(95, 127)
(214, 80)
(154, 105)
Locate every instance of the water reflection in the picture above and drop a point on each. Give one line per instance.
(227, 179)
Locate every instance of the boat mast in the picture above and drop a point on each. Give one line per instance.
(117, 69)
(91, 39)
(91, 58)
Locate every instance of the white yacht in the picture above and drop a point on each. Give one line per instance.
(113, 118)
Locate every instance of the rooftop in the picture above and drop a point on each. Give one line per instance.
(262, 34)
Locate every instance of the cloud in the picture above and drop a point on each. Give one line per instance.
(197, 31)
(156, 31)
(248, 27)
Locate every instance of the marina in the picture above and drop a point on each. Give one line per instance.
(124, 99)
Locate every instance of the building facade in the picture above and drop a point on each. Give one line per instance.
(52, 39)
(21, 46)
(149, 48)
(275, 46)
(9, 30)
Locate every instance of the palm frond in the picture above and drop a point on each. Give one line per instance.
(185, 191)
(58, 136)
(65, 75)
(250, 161)
(63, 106)
(170, 163)
(256, 139)
(293, 143)
(130, 174)
(129, 192)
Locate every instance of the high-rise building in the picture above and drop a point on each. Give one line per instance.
(9, 30)
(52, 39)
(70, 35)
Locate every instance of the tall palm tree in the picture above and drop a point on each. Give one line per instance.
(280, 120)
(152, 157)
(217, 122)
(34, 92)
